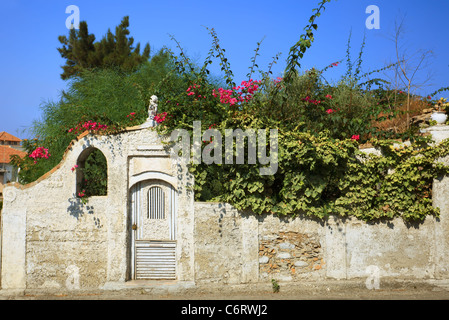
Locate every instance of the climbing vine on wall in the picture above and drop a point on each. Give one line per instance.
(319, 176)
(321, 170)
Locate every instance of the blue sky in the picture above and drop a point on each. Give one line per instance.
(30, 64)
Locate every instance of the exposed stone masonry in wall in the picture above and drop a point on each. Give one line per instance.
(289, 254)
(50, 240)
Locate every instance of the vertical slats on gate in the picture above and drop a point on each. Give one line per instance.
(156, 203)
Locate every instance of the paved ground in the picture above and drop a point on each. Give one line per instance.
(323, 290)
(181, 301)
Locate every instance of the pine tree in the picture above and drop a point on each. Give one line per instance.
(114, 50)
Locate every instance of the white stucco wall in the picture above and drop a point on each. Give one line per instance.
(51, 240)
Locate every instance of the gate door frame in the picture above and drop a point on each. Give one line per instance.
(153, 258)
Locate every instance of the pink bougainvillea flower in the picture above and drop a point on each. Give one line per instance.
(328, 96)
(277, 80)
(309, 100)
(74, 167)
(89, 125)
(237, 94)
(355, 137)
(131, 115)
(329, 111)
(40, 152)
(159, 118)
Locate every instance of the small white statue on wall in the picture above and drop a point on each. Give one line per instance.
(152, 108)
(152, 111)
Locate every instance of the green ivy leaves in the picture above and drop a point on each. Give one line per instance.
(319, 176)
(321, 171)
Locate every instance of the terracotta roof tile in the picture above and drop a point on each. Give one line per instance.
(5, 136)
(7, 151)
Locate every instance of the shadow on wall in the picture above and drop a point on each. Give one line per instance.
(76, 207)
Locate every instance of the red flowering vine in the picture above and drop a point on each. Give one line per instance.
(131, 116)
(277, 80)
(238, 94)
(39, 153)
(88, 125)
(82, 193)
(309, 100)
(159, 118)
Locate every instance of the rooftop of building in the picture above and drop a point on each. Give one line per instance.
(5, 136)
(7, 151)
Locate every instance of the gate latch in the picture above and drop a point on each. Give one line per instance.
(134, 227)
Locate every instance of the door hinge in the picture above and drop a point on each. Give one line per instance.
(134, 227)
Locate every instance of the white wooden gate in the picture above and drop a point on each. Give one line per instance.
(153, 215)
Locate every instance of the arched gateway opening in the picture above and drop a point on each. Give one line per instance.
(153, 230)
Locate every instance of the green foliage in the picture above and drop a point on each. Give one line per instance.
(102, 96)
(398, 183)
(275, 285)
(298, 50)
(114, 50)
(321, 170)
(95, 175)
(439, 91)
(319, 176)
(343, 109)
(31, 170)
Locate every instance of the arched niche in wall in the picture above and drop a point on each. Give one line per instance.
(91, 173)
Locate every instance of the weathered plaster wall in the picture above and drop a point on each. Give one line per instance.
(294, 249)
(67, 247)
(63, 243)
(226, 244)
(50, 239)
